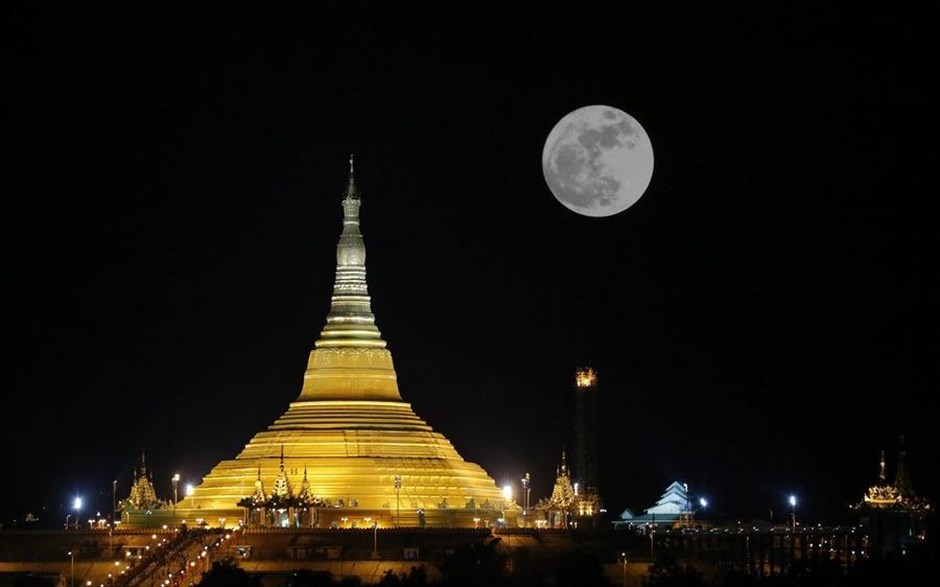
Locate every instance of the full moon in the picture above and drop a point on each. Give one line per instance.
(597, 161)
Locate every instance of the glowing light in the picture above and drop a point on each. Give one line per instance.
(77, 503)
(189, 489)
(792, 500)
(586, 377)
(507, 492)
(703, 502)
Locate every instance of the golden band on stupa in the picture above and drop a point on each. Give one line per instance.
(363, 455)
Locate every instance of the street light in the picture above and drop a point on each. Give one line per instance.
(507, 498)
(176, 480)
(72, 556)
(77, 506)
(397, 500)
(375, 537)
(113, 499)
(623, 560)
(703, 503)
(525, 498)
(793, 510)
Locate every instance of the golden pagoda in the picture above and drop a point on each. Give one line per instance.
(143, 496)
(556, 511)
(367, 457)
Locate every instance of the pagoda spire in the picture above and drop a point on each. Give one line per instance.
(351, 192)
(349, 360)
(881, 471)
(350, 322)
(143, 463)
(304, 494)
(282, 486)
(258, 497)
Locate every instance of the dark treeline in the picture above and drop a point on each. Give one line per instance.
(484, 565)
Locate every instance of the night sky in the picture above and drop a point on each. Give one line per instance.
(763, 321)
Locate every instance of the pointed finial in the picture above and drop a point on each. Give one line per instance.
(351, 192)
(881, 473)
(259, 472)
(305, 471)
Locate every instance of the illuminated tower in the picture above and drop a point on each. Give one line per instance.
(585, 429)
(585, 442)
(365, 449)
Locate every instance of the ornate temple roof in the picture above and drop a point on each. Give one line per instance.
(259, 496)
(675, 500)
(899, 495)
(305, 494)
(142, 496)
(562, 491)
(282, 486)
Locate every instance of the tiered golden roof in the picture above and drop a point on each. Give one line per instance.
(143, 496)
(897, 496)
(350, 429)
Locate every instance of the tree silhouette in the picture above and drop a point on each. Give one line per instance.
(227, 573)
(666, 572)
(308, 578)
(579, 568)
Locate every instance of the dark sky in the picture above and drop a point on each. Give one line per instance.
(763, 320)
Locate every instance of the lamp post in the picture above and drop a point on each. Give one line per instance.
(623, 561)
(113, 500)
(397, 500)
(77, 506)
(507, 497)
(375, 537)
(175, 480)
(72, 556)
(525, 499)
(793, 511)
